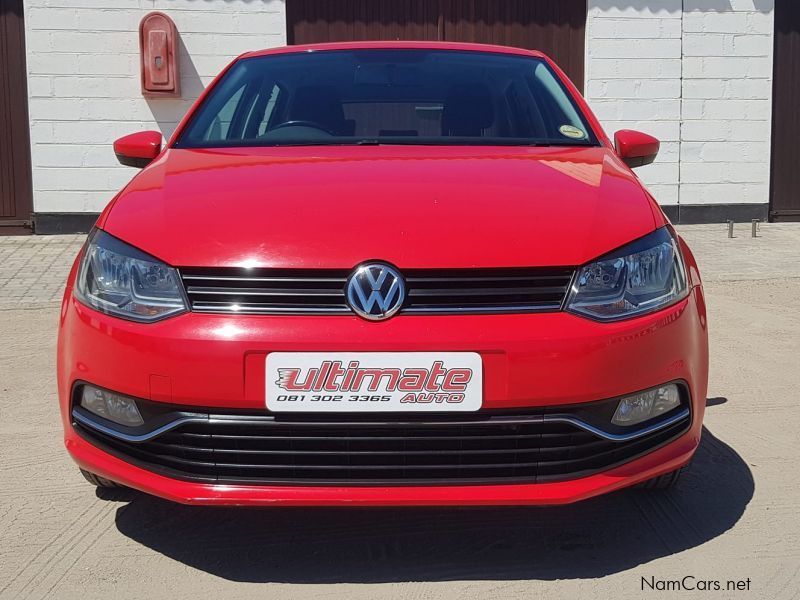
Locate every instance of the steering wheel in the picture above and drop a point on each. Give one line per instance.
(303, 123)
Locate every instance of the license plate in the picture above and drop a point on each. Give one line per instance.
(374, 382)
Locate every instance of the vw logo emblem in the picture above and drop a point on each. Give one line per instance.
(376, 291)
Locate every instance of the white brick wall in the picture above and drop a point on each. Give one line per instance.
(727, 102)
(694, 73)
(83, 83)
(698, 75)
(634, 78)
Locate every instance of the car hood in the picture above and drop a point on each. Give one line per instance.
(413, 206)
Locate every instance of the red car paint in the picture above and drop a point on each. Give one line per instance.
(636, 148)
(242, 207)
(146, 145)
(442, 192)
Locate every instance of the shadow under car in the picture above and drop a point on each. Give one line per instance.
(588, 539)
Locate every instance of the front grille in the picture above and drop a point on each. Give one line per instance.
(292, 291)
(355, 450)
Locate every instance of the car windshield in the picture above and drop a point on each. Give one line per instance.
(388, 96)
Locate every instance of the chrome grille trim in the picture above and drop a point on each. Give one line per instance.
(430, 291)
(86, 418)
(265, 279)
(244, 309)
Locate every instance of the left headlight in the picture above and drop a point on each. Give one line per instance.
(641, 277)
(120, 280)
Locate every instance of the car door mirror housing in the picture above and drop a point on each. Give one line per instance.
(635, 148)
(138, 149)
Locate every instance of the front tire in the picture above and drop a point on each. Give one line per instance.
(99, 482)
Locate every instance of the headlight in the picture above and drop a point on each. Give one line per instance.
(639, 278)
(120, 280)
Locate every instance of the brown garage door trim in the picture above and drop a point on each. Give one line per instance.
(16, 189)
(784, 176)
(556, 27)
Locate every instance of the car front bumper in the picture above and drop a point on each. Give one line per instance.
(660, 461)
(531, 361)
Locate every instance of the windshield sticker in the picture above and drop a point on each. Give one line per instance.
(572, 132)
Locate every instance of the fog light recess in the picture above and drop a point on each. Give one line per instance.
(111, 406)
(643, 406)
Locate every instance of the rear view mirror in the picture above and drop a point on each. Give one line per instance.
(635, 148)
(138, 149)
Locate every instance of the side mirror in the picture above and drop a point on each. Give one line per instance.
(138, 149)
(635, 148)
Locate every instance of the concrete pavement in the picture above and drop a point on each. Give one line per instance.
(733, 518)
(33, 268)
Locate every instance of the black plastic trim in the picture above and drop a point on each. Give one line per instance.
(133, 161)
(63, 223)
(602, 409)
(697, 214)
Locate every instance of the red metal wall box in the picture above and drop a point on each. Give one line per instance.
(158, 44)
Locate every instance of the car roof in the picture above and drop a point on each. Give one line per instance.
(394, 45)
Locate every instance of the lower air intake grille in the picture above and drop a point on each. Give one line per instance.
(357, 451)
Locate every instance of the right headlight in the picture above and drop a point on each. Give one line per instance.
(641, 277)
(120, 280)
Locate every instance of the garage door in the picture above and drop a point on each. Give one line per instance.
(15, 166)
(785, 196)
(556, 27)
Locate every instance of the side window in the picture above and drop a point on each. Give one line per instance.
(245, 115)
(524, 111)
(257, 117)
(221, 124)
(269, 110)
(557, 103)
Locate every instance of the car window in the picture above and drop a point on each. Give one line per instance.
(221, 123)
(272, 100)
(403, 96)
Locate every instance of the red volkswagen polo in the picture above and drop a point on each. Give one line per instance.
(384, 274)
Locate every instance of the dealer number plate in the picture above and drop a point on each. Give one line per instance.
(374, 382)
